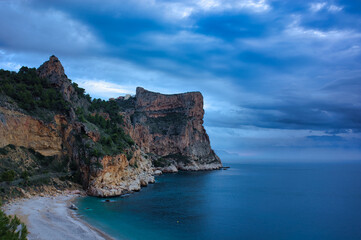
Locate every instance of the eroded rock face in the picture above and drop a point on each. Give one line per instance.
(171, 127)
(119, 176)
(20, 129)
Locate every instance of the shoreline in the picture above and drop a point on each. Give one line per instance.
(76, 217)
(49, 217)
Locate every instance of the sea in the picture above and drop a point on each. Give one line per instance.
(290, 201)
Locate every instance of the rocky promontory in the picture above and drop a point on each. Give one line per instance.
(110, 147)
(170, 127)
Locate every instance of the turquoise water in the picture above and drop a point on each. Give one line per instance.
(248, 201)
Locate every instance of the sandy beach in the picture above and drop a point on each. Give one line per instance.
(51, 218)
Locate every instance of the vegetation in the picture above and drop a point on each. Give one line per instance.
(105, 116)
(38, 97)
(160, 162)
(167, 160)
(30, 91)
(80, 91)
(109, 107)
(26, 164)
(8, 176)
(11, 228)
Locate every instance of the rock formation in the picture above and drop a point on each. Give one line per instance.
(120, 176)
(20, 129)
(171, 128)
(167, 130)
(53, 71)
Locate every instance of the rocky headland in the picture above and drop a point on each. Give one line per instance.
(54, 134)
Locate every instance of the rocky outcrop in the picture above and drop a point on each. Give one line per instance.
(167, 129)
(53, 71)
(119, 175)
(171, 128)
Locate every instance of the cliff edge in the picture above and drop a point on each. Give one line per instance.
(170, 127)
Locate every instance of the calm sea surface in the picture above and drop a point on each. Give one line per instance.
(248, 201)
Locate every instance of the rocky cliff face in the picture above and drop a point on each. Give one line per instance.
(167, 130)
(120, 175)
(20, 129)
(171, 128)
(53, 71)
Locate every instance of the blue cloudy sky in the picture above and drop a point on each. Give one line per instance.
(281, 79)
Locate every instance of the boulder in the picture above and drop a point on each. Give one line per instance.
(73, 207)
(157, 172)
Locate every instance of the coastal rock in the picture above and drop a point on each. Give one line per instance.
(157, 172)
(171, 128)
(170, 169)
(73, 207)
(118, 176)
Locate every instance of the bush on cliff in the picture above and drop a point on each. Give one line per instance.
(8, 176)
(11, 228)
(105, 116)
(30, 91)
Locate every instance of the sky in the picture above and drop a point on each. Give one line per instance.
(281, 79)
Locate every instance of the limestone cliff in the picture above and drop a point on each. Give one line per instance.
(171, 128)
(90, 136)
(120, 175)
(21, 129)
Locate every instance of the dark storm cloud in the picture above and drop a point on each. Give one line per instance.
(334, 107)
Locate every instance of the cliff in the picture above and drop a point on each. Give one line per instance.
(110, 147)
(171, 128)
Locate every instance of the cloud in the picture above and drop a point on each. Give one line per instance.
(10, 66)
(48, 30)
(296, 30)
(316, 7)
(7, 61)
(103, 89)
(186, 9)
(217, 5)
(335, 8)
(294, 109)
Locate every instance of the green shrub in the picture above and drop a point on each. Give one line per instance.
(129, 155)
(97, 153)
(11, 228)
(3, 151)
(12, 146)
(80, 91)
(25, 175)
(30, 91)
(73, 166)
(160, 162)
(8, 176)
